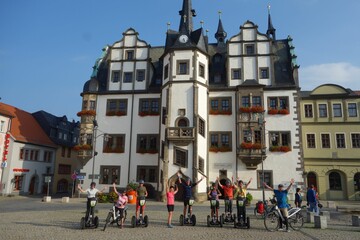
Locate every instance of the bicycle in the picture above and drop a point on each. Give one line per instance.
(114, 217)
(272, 219)
(261, 213)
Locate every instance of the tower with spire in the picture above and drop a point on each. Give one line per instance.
(271, 30)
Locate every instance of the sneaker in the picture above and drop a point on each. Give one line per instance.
(288, 230)
(280, 229)
(170, 226)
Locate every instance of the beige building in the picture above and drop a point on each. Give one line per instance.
(331, 141)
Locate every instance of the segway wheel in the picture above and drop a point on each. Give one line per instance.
(221, 221)
(248, 222)
(234, 217)
(96, 222)
(82, 223)
(181, 220)
(146, 221)
(133, 221)
(193, 220)
(208, 219)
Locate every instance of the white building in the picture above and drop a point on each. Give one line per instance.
(204, 109)
(30, 153)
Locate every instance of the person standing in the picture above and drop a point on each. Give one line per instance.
(281, 197)
(298, 198)
(141, 194)
(228, 194)
(120, 204)
(188, 192)
(170, 196)
(311, 199)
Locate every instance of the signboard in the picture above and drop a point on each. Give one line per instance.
(80, 177)
(96, 176)
(4, 164)
(47, 179)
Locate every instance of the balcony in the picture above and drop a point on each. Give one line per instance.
(251, 157)
(250, 117)
(84, 154)
(180, 136)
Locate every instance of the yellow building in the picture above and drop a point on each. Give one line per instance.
(330, 132)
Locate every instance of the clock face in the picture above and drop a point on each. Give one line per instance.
(183, 38)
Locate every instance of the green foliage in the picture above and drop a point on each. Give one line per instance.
(103, 198)
(249, 197)
(132, 186)
(112, 197)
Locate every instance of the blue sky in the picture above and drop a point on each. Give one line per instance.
(48, 48)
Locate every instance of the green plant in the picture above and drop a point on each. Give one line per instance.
(249, 197)
(132, 186)
(102, 198)
(112, 197)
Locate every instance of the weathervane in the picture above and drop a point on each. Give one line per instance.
(219, 12)
(202, 23)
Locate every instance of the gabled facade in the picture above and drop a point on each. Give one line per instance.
(330, 126)
(30, 157)
(203, 109)
(65, 135)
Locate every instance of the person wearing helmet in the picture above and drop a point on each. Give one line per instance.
(187, 186)
(228, 193)
(120, 204)
(281, 197)
(141, 193)
(91, 194)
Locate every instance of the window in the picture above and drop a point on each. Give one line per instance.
(278, 103)
(84, 106)
(352, 110)
(310, 139)
(308, 110)
(264, 73)
(180, 157)
(109, 174)
(267, 178)
(140, 75)
(182, 67)
(201, 127)
(29, 154)
(60, 135)
(322, 110)
(256, 101)
(236, 73)
(201, 70)
(128, 77)
(325, 140)
(147, 143)
(220, 141)
(335, 181)
(355, 140)
(280, 139)
(92, 105)
(257, 136)
(340, 140)
(18, 182)
(149, 106)
(245, 101)
(64, 169)
(115, 76)
(48, 156)
(129, 55)
(217, 78)
(2, 126)
(337, 110)
(115, 143)
(164, 114)
(220, 105)
(63, 150)
(201, 165)
(69, 153)
(311, 179)
(250, 49)
(166, 71)
(116, 107)
(147, 173)
(162, 149)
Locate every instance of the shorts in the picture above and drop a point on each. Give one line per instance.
(284, 212)
(217, 205)
(186, 202)
(138, 205)
(170, 208)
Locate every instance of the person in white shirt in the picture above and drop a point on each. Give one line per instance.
(91, 195)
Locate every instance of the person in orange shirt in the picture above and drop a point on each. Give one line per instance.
(228, 194)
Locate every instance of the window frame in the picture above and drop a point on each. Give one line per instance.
(111, 178)
(115, 76)
(138, 75)
(325, 140)
(179, 69)
(353, 109)
(219, 104)
(128, 77)
(184, 162)
(129, 54)
(325, 110)
(308, 113)
(166, 71)
(236, 76)
(353, 139)
(150, 102)
(335, 182)
(338, 111)
(340, 142)
(147, 169)
(148, 143)
(264, 70)
(260, 180)
(202, 70)
(247, 47)
(201, 127)
(217, 136)
(117, 111)
(312, 139)
(110, 147)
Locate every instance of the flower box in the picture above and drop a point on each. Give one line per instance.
(244, 109)
(256, 146)
(284, 111)
(257, 109)
(111, 150)
(86, 112)
(280, 149)
(219, 149)
(143, 114)
(246, 145)
(219, 112)
(273, 111)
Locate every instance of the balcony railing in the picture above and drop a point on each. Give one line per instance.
(180, 134)
(251, 157)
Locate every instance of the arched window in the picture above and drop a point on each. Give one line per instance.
(357, 181)
(311, 179)
(182, 122)
(335, 181)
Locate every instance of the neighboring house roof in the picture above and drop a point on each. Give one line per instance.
(24, 127)
(6, 113)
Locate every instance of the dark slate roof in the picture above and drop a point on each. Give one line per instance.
(52, 125)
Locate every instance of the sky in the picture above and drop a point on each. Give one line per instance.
(48, 48)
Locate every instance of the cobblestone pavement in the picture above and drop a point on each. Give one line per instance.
(29, 218)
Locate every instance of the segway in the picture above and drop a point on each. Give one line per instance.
(189, 220)
(228, 217)
(143, 221)
(92, 221)
(213, 221)
(242, 220)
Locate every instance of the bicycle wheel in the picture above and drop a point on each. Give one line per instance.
(108, 219)
(271, 221)
(296, 222)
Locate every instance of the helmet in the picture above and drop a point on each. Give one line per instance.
(141, 182)
(228, 181)
(188, 180)
(280, 185)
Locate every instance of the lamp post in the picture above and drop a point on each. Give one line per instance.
(263, 149)
(95, 126)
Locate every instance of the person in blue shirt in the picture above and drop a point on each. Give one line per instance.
(311, 199)
(187, 186)
(281, 197)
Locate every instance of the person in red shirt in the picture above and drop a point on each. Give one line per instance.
(228, 194)
(170, 196)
